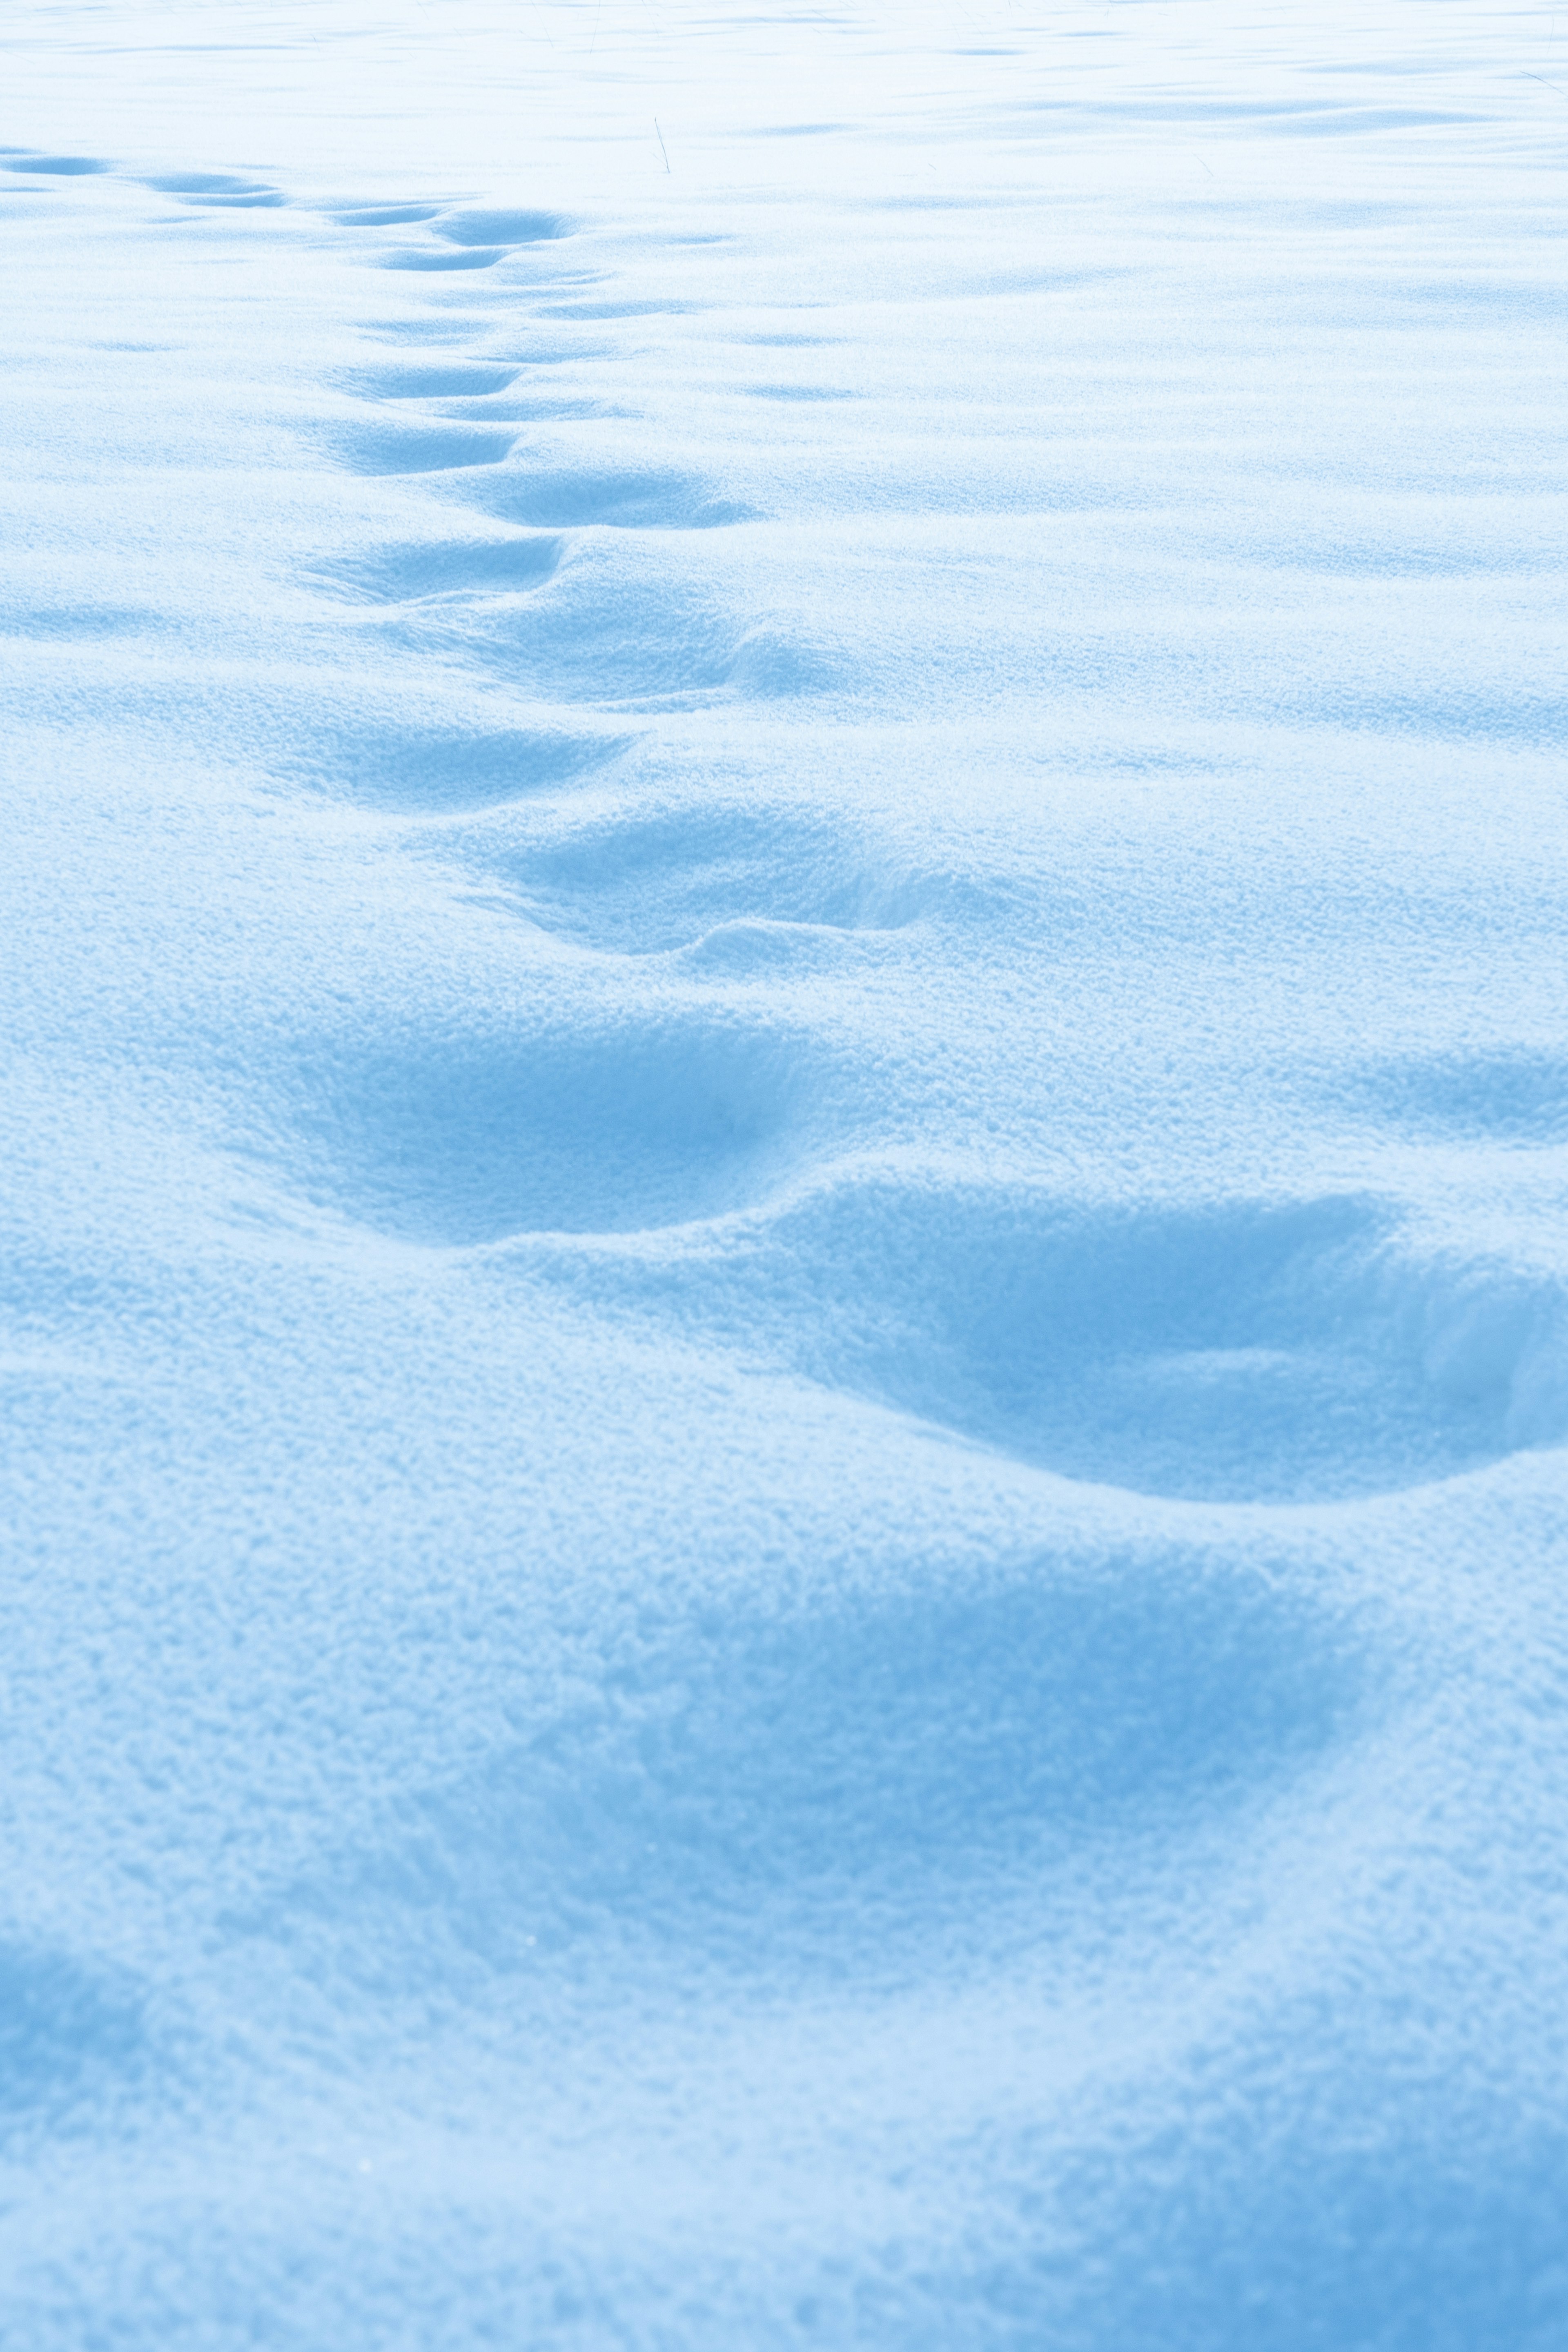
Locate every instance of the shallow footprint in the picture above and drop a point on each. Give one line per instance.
(383, 215)
(841, 1788)
(644, 886)
(395, 575)
(603, 637)
(474, 257)
(421, 770)
(631, 498)
(212, 185)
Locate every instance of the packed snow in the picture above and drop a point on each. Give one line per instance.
(786, 1316)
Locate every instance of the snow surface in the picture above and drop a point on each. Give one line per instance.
(785, 1321)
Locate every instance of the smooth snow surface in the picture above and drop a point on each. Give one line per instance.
(786, 1329)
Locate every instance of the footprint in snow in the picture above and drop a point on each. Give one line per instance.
(64, 167)
(1244, 1351)
(846, 1787)
(414, 770)
(461, 1142)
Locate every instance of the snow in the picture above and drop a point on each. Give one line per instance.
(786, 1303)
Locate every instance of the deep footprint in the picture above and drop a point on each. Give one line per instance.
(463, 1141)
(503, 229)
(378, 445)
(1243, 1352)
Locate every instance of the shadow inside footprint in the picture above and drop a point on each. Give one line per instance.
(460, 1143)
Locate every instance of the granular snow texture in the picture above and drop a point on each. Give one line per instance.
(785, 1308)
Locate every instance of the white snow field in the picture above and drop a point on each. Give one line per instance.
(785, 1302)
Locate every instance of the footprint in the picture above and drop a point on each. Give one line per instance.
(689, 877)
(839, 1788)
(201, 184)
(395, 575)
(425, 771)
(60, 166)
(376, 444)
(448, 329)
(503, 229)
(474, 257)
(467, 1141)
(1240, 1352)
(264, 200)
(797, 391)
(222, 189)
(558, 355)
(620, 309)
(383, 215)
(537, 406)
(414, 380)
(604, 636)
(630, 497)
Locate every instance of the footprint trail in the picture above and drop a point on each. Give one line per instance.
(784, 1331)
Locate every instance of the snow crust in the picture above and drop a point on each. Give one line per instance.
(785, 1300)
